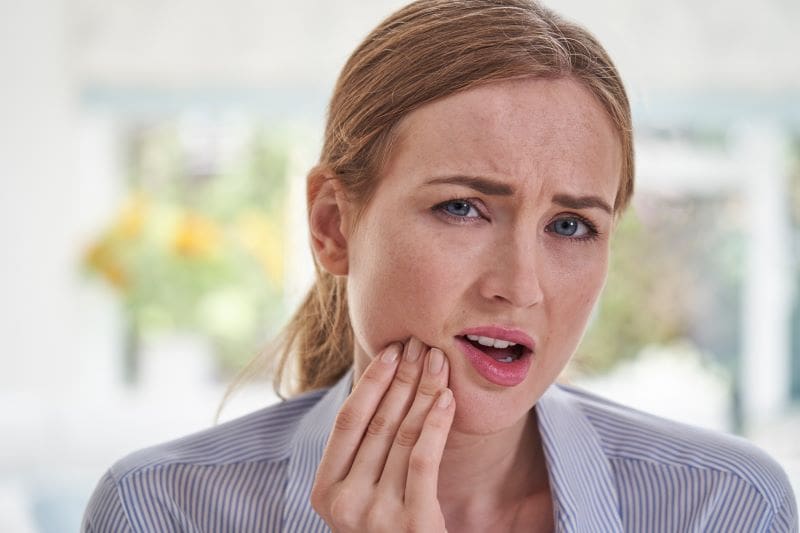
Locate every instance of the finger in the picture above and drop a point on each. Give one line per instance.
(422, 482)
(355, 414)
(433, 380)
(371, 456)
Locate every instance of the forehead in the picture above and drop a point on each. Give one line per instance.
(522, 130)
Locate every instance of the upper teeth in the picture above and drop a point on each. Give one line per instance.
(488, 341)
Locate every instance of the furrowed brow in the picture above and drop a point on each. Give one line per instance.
(482, 185)
(582, 202)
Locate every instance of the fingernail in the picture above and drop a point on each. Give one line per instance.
(391, 353)
(436, 361)
(445, 397)
(413, 348)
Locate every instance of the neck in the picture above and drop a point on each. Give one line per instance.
(488, 477)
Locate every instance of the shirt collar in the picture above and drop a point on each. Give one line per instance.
(581, 480)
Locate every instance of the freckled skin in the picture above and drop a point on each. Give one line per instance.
(413, 271)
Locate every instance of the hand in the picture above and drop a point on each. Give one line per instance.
(380, 468)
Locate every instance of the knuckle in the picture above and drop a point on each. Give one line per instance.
(373, 375)
(421, 463)
(318, 498)
(344, 511)
(428, 388)
(422, 523)
(406, 376)
(348, 419)
(377, 518)
(406, 436)
(438, 420)
(379, 425)
(411, 524)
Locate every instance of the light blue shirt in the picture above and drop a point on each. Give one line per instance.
(611, 469)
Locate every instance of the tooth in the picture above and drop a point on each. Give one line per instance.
(486, 341)
(507, 359)
(500, 344)
(472, 337)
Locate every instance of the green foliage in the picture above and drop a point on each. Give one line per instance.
(199, 244)
(636, 307)
(673, 277)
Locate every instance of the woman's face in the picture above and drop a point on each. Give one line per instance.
(492, 218)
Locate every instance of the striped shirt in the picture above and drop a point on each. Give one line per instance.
(611, 469)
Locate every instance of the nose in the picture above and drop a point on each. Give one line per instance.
(512, 273)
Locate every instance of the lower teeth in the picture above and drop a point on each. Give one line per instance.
(508, 359)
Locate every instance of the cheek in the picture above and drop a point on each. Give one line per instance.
(397, 286)
(572, 295)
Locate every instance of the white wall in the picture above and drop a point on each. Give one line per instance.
(38, 202)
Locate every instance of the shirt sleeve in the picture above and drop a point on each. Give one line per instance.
(105, 513)
(785, 520)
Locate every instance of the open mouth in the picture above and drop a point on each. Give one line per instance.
(500, 351)
(503, 359)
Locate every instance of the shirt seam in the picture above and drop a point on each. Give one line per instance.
(611, 454)
(775, 512)
(773, 507)
(157, 466)
(122, 503)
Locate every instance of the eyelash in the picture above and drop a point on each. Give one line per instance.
(441, 209)
(591, 230)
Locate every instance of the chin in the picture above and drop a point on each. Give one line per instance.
(487, 409)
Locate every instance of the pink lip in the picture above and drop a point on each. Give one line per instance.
(503, 374)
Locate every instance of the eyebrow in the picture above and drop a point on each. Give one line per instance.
(495, 188)
(582, 202)
(482, 185)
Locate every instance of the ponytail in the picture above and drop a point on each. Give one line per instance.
(318, 338)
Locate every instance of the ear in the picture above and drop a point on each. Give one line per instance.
(328, 211)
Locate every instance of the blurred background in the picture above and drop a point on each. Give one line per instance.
(152, 226)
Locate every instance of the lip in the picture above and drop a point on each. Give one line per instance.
(502, 333)
(503, 374)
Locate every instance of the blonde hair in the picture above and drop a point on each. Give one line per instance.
(425, 51)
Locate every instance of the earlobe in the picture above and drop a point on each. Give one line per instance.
(327, 208)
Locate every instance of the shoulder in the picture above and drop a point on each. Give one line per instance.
(653, 455)
(243, 459)
(262, 436)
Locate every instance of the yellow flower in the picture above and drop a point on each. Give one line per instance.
(100, 258)
(196, 236)
(262, 238)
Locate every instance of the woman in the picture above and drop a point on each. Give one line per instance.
(477, 155)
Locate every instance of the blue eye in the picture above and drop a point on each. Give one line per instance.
(459, 208)
(573, 227)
